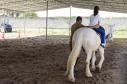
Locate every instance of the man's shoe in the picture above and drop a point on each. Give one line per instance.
(103, 45)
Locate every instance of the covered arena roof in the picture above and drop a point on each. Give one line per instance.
(39, 5)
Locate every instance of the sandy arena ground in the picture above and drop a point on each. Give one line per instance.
(37, 61)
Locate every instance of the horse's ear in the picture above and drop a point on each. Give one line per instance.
(107, 36)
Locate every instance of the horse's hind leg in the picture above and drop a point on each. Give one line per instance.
(68, 62)
(89, 55)
(99, 65)
(71, 62)
(70, 65)
(93, 61)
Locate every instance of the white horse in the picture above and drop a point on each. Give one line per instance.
(90, 41)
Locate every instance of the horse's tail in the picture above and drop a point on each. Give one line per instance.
(77, 44)
(75, 52)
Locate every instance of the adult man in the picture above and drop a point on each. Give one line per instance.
(78, 24)
(95, 22)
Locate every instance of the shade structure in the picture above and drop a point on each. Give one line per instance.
(39, 5)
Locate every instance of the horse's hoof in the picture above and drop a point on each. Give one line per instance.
(66, 73)
(98, 69)
(89, 75)
(93, 68)
(72, 79)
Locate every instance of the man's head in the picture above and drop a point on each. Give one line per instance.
(96, 10)
(79, 19)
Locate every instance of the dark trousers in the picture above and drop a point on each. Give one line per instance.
(102, 32)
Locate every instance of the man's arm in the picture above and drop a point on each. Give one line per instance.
(84, 25)
(95, 26)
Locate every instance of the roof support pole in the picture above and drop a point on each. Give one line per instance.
(47, 20)
(70, 21)
(4, 16)
(24, 25)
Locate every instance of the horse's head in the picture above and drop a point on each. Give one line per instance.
(109, 32)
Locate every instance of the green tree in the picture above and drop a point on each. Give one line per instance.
(30, 14)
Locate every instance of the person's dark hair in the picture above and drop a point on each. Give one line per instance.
(96, 10)
(79, 18)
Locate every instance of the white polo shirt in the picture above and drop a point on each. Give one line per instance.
(94, 19)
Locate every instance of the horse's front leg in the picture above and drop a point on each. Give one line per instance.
(99, 65)
(89, 55)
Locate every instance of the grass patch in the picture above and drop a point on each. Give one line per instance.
(30, 32)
